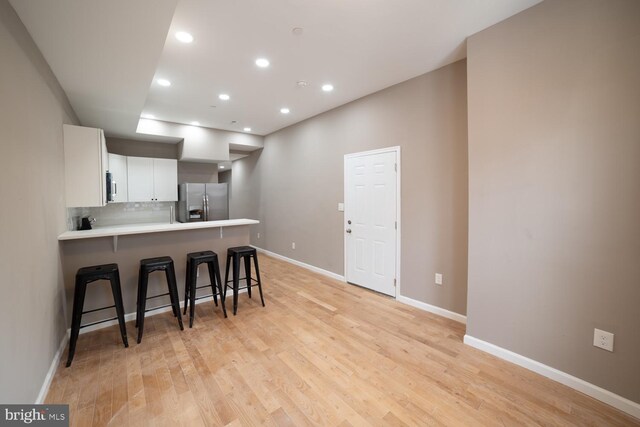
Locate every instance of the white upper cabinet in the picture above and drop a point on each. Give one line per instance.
(165, 180)
(152, 179)
(118, 169)
(85, 166)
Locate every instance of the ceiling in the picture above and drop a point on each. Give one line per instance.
(108, 55)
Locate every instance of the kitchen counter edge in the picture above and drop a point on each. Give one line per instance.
(123, 230)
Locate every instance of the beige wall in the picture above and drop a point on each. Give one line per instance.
(554, 193)
(33, 108)
(294, 184)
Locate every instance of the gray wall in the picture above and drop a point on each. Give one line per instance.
(554, 194)
(294, 185)
(187, 171)
(33, 108)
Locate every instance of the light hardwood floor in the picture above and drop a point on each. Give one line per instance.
(320, 353)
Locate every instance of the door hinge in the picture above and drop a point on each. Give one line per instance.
(394, 283)
(395, 166)
(396, 224)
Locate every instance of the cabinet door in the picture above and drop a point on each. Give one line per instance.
(165, 180)
(140, 179)
(118, 169)
(83, 167)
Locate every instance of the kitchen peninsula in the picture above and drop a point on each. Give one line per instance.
(126, 245)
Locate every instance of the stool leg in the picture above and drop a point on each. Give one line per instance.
(226, 277)
(217, 272)
(236, 282)
(117, 299)
(255, 264)
(142, 304)
(78, 302)
(193, 284)
(247, 272)
(174, 299)
(187, 280)
(173, 291)
(212, 279)
(138, 295)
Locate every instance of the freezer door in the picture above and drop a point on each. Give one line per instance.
(218, 202)
(191, 205)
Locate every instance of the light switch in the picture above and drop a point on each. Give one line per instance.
(341, 207)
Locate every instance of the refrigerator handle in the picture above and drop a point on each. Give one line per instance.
(206, 207)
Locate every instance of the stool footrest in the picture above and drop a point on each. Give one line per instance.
(158, 296)
(98, 322)
(98, 309)
(243, 278)
(157, 308)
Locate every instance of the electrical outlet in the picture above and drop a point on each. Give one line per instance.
(293, 245)
(341, 207)
(438, 278)
(603, 339)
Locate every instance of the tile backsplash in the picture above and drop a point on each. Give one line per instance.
(121, 214)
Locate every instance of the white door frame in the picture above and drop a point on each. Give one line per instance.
(395, 149)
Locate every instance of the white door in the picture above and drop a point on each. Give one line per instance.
(165, 180)
(370, 220)
(140, 179)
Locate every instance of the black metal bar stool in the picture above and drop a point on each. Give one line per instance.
(147, 266)
(236, 254)
(194, 259)
(87, 275)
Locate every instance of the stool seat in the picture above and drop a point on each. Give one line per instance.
(194, 259)
(147, 266)
(241, 250)
(97, 272)
(158, 263)
(235, 255)
(84, 276)
(200, 256)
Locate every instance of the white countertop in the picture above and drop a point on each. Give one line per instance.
(122, 230)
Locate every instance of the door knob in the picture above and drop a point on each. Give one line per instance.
(349, 230)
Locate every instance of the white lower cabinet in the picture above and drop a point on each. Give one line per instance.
(152, 179)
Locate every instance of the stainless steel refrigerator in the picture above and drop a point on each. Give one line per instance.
(202, 202)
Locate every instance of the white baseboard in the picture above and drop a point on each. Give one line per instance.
(433, 309)
(405, 300)
(52, 371)
(301, 264)
(619, 402)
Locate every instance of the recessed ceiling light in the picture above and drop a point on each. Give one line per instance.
(221, 167)
(224, 96)
(184, 37)
(284, 110)
(196, 123)
(163, 82)
(247, 129)
(327, 87)
(302, 83)
(148, 116)
(262, 62)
